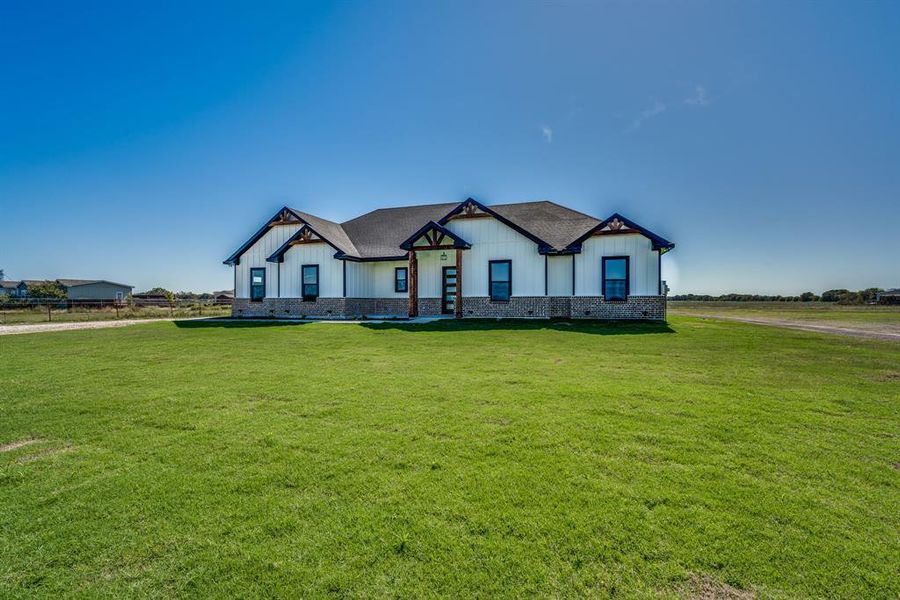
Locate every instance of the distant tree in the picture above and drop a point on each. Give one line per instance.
(47, 289)
(834, 295)
(157, 291)
(808, 297)
(870, 295)
(2, 275)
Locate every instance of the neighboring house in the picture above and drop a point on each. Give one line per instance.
(9, 287)
(83, 289)
(224, 297)
(888, 296)
(95, 289)
(534, 259)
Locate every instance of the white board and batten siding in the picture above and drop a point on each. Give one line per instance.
(331, 270)
(255, 257)
(559, 275)
(643, 271)
(492, 240)
(373, 279)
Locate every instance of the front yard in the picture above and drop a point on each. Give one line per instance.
(449, 459)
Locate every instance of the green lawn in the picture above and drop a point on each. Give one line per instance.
(451, 459)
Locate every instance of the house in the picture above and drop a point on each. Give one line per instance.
(224, 297)
(466, 259)
(9, 288)
(888, 296)
(95, 289)
(84, 290)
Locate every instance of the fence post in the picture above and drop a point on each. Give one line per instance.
(49, 317)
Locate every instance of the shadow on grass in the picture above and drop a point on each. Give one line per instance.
(591, 327)
(452, 325)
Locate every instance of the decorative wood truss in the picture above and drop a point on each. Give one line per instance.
(434, 237)
(304, 235)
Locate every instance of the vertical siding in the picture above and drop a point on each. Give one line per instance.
(559, 280)
(256, 256)
(374, 279)
(492, 240)
(643, 264)
(96, 291)
(331, 276)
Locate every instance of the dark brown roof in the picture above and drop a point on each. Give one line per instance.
(557, 225)
(331, 231)
(379, 234)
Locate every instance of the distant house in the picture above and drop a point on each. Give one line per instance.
(888, 296)
(82, 289)
(9, 288)
(95, 289)
(224, 297)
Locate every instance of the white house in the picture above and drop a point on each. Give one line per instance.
(532, 259)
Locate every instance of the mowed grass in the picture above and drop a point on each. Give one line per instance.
(451, 459)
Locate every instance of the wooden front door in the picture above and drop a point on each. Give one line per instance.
(448, 290)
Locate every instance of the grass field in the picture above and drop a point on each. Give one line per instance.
(16, 315)
(450, 459)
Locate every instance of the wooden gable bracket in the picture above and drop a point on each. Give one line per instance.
(284, 217)
(469, 211)
(305, 236)
(436, 237)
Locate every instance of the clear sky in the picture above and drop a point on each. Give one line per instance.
(143, 142)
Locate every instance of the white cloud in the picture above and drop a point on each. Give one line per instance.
(699, 98)
(548, 133)
(657, 109)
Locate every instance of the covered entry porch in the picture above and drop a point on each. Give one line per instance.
(436, 241)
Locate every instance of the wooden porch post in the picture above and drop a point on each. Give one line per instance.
(457, 302)
(413, 284)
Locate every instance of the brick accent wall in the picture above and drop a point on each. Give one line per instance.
(518, 307)
(651, 308)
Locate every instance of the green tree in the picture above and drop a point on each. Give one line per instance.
(808, 297)
(47, 289)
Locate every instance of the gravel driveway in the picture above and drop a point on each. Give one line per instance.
(872, 331)
(39, 327)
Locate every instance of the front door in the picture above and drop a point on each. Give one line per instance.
(448, 295)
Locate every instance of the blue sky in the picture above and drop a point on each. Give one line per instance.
(143, 143)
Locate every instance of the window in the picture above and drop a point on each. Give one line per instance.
(400, 284)
(615, 278)
(310, 281)
(257, 284)
(500, 280)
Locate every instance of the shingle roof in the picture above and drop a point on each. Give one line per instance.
(28, 282)
(8, 283)
(329, 230)
(557, 225)
(378, 234)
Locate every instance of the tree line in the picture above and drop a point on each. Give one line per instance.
(841, 296)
